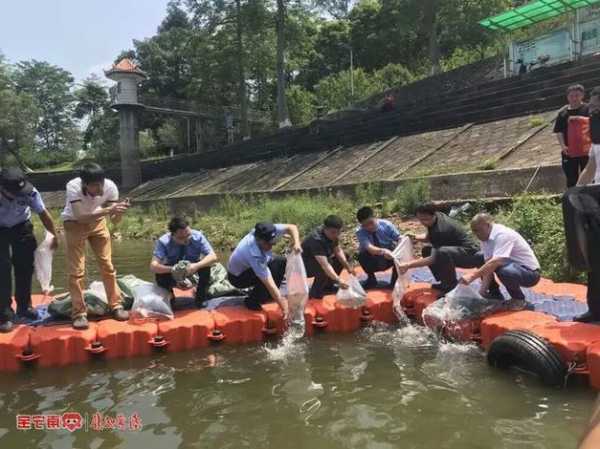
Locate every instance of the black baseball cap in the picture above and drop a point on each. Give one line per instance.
(265, 231)
(13, 181)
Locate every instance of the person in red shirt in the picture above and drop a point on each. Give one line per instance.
(572, 166)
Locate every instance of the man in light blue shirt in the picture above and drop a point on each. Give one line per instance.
(377, 238)
(183, 243)
(252, 264)
(18, 198)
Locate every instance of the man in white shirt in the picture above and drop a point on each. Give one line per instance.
(507, 254)
(90, 199)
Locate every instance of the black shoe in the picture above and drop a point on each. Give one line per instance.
(201, 303)
(587, 317)
(6, 326)
(442, 288)
(371, 282)
(252, 304)
(30, 313)
(316, 294)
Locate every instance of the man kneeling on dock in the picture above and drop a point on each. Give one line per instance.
(377, 238)
(507, 254)
(252, 264)
(324, 258)
(180, 254)
(450, 247)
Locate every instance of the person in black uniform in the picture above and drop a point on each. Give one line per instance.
(18, 198)
(450, 247)
(572, 166)
(324, 258)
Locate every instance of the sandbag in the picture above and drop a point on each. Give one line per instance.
(219, 284)
(61, 306)
(43, 263)
(353, 296)
(150, 301)
(296, 289)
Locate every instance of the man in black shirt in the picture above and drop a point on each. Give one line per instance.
(451, 247)
(572, 166)
(324, 258)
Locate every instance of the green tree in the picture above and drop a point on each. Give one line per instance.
(50, 87)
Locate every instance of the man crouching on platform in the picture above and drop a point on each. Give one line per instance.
(183, 257)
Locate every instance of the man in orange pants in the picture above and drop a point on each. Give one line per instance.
(91, 198)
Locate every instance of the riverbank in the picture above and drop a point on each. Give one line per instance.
(538, 220)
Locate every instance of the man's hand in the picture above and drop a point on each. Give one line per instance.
(402, 268)
(297, 248)
(352, 271)
(191, 269)
(467, 279)
(54, 243)
(388, 254)
(285, 310)
(118, 208)
(343, 285)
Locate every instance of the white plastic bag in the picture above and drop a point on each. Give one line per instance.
(297, 289)
(43, 264)
(150, 301)
(353, 296)
(403, 253)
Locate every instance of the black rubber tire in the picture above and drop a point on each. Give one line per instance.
(528, 352)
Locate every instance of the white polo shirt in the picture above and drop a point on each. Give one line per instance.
(508, 244)
(89, 204)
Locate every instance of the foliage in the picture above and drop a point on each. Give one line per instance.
(301, 105)
(50, 88)
(409, 196)
(540, 222)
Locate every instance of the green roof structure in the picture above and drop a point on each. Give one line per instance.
(533, 13)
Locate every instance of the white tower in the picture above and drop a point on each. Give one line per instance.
(124, 98)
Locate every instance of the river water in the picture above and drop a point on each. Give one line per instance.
(380, 388)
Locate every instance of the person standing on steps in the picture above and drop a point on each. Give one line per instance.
(572, 165)
(450, 247)
(91, 199)
(507, 255)
(183, 243)
(324, 258)
(18, 198)
(252, 264)
(377, 238)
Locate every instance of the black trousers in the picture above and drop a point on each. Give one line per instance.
(166, 281)
(248, 279)
(17, 247)
(322, 282)
(593, 294)
(447, 259)
(373, 264)
(573, 166)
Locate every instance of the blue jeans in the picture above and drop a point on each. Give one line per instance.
(514, 276)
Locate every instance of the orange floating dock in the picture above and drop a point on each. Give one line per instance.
(59, 345)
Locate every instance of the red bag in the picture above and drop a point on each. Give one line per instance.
(580, 141)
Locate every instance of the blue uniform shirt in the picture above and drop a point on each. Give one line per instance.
(387, 234)
(169, 252)
(249, 255)
(17, 211)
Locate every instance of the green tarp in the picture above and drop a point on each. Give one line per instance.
(533, 13)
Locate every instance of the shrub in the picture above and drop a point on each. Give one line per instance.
(409, 196)
(540, 222)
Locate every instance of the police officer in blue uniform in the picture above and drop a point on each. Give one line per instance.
(18, 198)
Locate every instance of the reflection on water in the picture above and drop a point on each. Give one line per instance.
(384, 387)
(381, 388)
